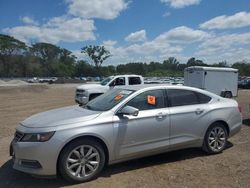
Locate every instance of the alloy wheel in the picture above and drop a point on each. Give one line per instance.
(217, 139)
(83, 161)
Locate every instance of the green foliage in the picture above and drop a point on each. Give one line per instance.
(97, 54)
(9, 47)
(44, 59)
(244, 68)
(55, 61)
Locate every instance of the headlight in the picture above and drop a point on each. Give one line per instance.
(37, 137)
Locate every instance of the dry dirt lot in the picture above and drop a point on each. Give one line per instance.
(185, 168)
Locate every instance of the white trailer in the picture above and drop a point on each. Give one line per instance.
(221, 81)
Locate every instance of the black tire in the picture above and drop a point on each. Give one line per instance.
(210, 147)
(228, 94)
(62, 163)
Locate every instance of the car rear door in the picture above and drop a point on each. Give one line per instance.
(147, 132)
(189, 115)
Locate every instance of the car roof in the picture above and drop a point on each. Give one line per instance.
(167, 86)
(127, 75)
(155, 86)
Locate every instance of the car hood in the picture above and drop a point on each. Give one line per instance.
(92, 86)
(60, 116)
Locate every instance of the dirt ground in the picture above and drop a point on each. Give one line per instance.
(185, 168)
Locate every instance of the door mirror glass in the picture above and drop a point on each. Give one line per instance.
(129, 110)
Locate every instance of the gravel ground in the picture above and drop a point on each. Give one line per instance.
(184, 168)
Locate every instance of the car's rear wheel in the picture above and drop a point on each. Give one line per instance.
(81, 161)
(228, 94)
(215, 139)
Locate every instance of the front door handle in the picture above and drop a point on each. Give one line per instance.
(199, 111)
(161, 115)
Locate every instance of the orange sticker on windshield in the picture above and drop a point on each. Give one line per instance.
(118, 97)
(151, 99)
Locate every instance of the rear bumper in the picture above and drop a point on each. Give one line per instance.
(235, 129)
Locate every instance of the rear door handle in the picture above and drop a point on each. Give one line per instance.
(199, 111)
(161, 115)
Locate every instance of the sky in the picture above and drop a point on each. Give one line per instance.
(135, 30)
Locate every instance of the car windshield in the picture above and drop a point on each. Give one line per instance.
(108, 100)
(106, 80)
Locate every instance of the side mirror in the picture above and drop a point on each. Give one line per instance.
(129, 110)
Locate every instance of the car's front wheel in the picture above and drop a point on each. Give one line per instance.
(215, 139)
(81, 161)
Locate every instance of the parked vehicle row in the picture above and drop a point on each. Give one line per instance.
(122, 124)
(221, 81)
(244, 83)
(49, 80)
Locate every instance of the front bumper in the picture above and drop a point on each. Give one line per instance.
(37, 158)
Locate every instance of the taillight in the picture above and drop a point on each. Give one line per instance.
(239, 108)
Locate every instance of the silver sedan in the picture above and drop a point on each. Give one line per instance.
(120, 125)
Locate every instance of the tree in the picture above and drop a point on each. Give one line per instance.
(243, 67)
(97, 54)
(9, 47)
(220, 64)
(195, 62)
(171, 64)
(54, 60)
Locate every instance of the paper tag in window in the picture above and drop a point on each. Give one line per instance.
(118, 97)
(151, 99)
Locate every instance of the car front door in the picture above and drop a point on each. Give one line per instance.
(147, 132)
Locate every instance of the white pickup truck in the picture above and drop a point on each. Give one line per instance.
(87, 92)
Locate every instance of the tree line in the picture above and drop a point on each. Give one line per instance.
(18, 59)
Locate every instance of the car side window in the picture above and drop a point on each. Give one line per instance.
(181, 97)
(148, 100)
(134, 80)
(118, 82)
(203, 99)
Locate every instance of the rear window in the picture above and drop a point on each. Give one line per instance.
(181, 97)
(203, 98)
(134, 80)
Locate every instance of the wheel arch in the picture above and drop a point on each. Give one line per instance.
(224, 123)
(92, 137)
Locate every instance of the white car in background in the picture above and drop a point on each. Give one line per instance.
(87, 92)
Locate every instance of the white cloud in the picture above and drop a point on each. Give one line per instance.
(183, 34)
(109, 42)
(170, 43)
(240, 19)
(28, 20)
(136, 36)
(229, 47)
(226, 41)
(104, 9)
(75, 26)
(181, 3)
(55, 30)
